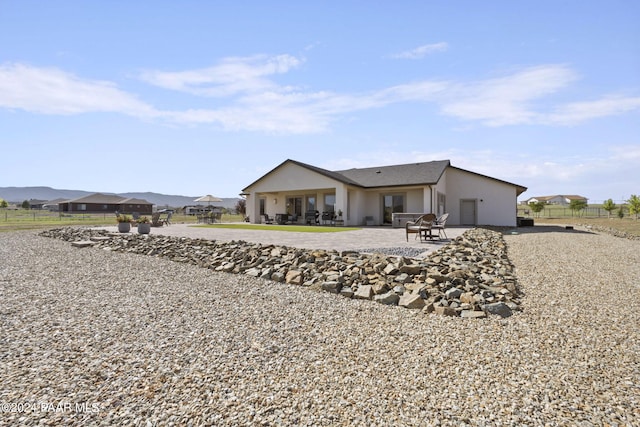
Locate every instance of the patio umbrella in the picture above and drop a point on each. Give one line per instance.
(208, 198)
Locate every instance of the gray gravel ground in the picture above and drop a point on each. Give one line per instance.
(92, 337)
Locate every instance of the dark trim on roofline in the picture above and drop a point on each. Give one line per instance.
(324, 172)
(518, 187)
(340, 178)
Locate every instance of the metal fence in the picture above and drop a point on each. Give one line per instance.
(43, 215)
(561, 212)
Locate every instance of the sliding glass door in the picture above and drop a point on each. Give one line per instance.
(391, 203)
(294, 206)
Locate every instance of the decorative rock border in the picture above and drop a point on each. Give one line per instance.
(612, 231)
(469, 277)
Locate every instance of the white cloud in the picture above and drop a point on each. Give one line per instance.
(232, 76)
(416, 91)
(52, 91)
(422, 51)
(251, 99)
(626, 153)
(578, 112)
(512, 100)
(505, 100)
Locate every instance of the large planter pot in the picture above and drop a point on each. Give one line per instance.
(124, 227)
(144, 228)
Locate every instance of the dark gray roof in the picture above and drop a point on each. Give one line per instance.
(331, 174)
(425, 173)
(134, 201)
(56, 201)
(99, 198)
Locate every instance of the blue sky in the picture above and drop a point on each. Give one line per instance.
(198, 97)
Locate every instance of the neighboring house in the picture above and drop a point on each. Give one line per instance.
(102, 203)
(372, 195)
(36, 204)
(555, 200)
(53, 205)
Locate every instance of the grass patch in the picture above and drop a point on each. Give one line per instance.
(290, 228)
(33, 220)
(23, 219)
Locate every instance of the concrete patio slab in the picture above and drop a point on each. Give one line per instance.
(364, 238)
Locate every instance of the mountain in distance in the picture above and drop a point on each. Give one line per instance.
(17, 195)
(169, 201)
(20, 194)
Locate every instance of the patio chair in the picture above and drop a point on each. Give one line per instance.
(439, 225)
(155, 220)
(328, 217)
(421, 226)
(310, 217)
(267, 220)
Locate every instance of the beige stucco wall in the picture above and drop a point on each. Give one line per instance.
(292, 180)
(496, 201)
(291, 177)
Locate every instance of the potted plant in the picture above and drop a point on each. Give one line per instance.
(144, 225)
(124, 223)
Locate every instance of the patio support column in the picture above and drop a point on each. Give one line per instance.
(341, 201)
(427, 199)
(253, 208)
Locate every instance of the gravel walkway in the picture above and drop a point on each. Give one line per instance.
(91, 337)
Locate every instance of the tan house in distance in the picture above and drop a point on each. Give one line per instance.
(370, 196)
(103, 203)
(554, 200)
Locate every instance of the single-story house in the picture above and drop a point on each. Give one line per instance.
(53, 205)
(555, 200)
(103, 203)
(371, 196)
(36, 204)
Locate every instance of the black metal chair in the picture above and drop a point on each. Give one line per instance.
(328, 217)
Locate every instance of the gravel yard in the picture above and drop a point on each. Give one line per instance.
(93, 337)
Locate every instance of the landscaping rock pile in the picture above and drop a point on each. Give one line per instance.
(469, 277)
(610, 230)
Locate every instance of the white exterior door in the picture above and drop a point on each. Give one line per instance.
(468, 211)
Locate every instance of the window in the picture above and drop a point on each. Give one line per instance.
(441, 203)
(82, 207)
(311, 204)
(263, 201)
(294, 206)
(329, 202)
